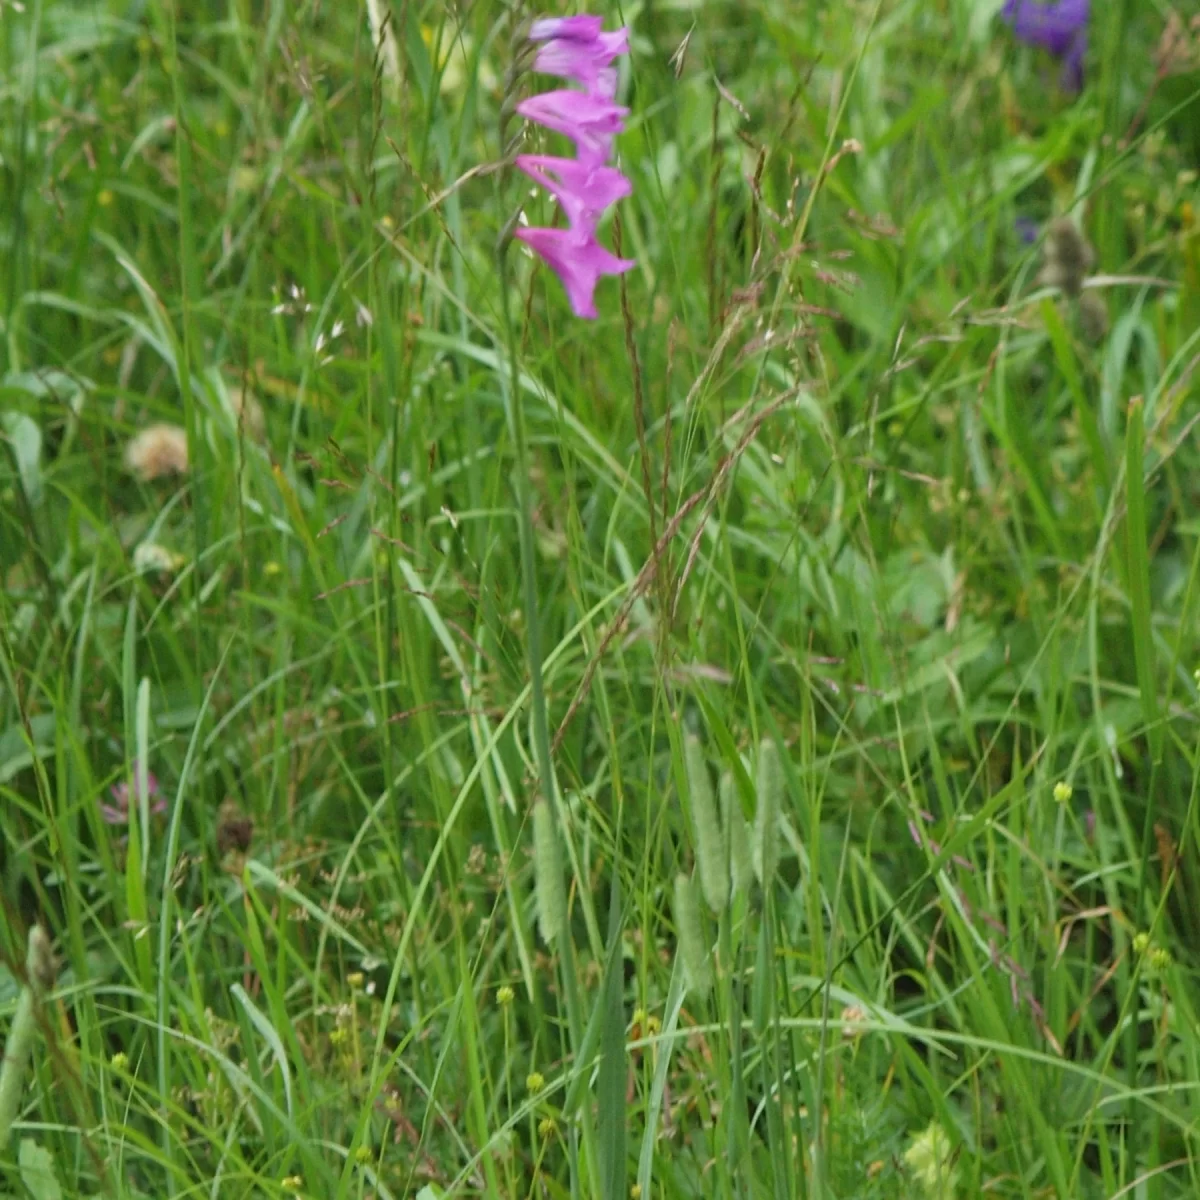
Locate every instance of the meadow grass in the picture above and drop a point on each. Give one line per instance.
(744, 746)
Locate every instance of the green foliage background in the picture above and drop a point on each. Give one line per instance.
(834, 470)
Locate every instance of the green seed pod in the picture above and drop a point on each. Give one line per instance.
(697, 960)
(741, 863)
(547, 870)
(710, 847)
(766, 825)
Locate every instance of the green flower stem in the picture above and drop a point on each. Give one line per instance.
(533, 638)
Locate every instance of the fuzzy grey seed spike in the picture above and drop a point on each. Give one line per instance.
(710, 846)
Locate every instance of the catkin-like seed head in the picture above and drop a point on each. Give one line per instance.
(547, 871)
(1068, 256)
(741, 861)
(766, 825)
(710, 846)
(697, 961)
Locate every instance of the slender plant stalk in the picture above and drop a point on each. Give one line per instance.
(533, 641)
(533, 633)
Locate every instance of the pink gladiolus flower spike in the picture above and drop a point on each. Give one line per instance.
(577, 49)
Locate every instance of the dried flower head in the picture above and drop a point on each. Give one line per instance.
(157, 451)
(234, 829)
(854, 1020)
(1179, 47)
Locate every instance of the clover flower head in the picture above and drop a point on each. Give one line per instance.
(117, 813)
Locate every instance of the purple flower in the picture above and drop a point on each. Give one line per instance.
(1026, 229)
(577, 49)
(117, 813)
(1060, 27)
(577, 261)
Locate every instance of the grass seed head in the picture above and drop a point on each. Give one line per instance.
(710, 847)
(697, 961)
(766, 828)
(741, 860)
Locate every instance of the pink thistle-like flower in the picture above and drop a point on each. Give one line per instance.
(577, 49)
(117, 813)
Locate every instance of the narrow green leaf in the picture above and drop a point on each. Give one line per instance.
(1064, 355)
(547, 871)
(611, 1118)
(1136, 537)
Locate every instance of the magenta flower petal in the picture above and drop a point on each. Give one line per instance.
(591, 122)
(583, 29)
(578, 262)
(583, 192)
(117, 813)
(587, 63)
